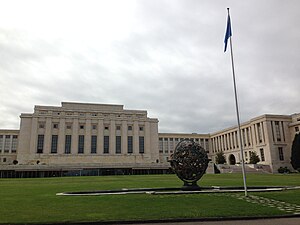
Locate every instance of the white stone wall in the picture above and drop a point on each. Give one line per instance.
(87, 120)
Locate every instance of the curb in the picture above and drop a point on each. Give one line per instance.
(162, 221)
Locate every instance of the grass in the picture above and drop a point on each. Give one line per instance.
(35, 200)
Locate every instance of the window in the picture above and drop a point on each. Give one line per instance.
(69, 126)
(1, 142)
(160, 145)
(94, 126)
(166, 145)
(206, 145)
(14, 144)
(244, 137)
(80, 144)
(236, 138)
(141, 145)
(54, 143)
(130, 144)
(118, 144)
(94, 114)
(118, 127)
(249, 136)
(259, 133)
(68, 144)
(40, 144)
(277, 131)
(262, 154)
(171, 145)
(41, 125)
(106, 144)
(106, 128)
(94, 144)
(296, 129)
(280, 151)
(129, 127)
(202, 143)
(141, 128)
(81, 126)
(55, 125)
(7, 143)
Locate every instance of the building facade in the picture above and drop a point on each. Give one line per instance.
(77, 136)
(269, 136)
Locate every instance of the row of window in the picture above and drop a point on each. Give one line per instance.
(8, 143)
(42, 125)
(231, 140)
(93, 150)
(280, 154)
(95, 114)
(166, 145)
(262, 154)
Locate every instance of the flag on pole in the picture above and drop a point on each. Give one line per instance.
(228, 33)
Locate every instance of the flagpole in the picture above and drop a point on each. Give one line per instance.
(238, 114)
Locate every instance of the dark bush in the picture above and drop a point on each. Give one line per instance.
(283, 170)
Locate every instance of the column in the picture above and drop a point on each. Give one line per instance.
(124, 137)
(100, 137)
(112, 137)
(250, 136)
(263, 131)
(87, 138)
(135, 137)
(10, 143)
(61, 137)
(33, 138)
(48, 137)
(246, 137)
(74, 139)
(281, 131)
(147, 136)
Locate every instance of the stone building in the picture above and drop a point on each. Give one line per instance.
(108, 139)
(269, 136)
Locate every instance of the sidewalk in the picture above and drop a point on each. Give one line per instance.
(275, 221)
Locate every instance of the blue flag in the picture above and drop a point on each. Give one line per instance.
(228, 33)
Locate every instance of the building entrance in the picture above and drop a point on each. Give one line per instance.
(232, 160)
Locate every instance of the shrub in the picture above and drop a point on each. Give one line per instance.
(295, 158)
(283, 170)
(220, 158)
(253, 158)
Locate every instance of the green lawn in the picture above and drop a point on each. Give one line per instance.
(35, 200)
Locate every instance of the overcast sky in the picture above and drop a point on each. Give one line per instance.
(164, 56)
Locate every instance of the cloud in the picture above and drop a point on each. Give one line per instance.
(161, 56)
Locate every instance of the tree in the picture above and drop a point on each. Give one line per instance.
(295, 158)
(253, 158)
(220, 158)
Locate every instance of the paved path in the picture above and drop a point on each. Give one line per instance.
(281, 205)
(277, 221)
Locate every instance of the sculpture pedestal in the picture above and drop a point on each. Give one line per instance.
(187, 186)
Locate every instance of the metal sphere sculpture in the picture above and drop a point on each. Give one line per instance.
(189, 161)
